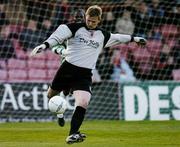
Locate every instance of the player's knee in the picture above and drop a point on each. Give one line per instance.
(83, 103)
(82, 98)
(51, 93)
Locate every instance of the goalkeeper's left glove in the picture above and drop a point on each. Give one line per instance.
(59, 49)
(140, 41)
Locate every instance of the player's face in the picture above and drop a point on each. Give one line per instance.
(92, 22)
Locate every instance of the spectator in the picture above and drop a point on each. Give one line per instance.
(156, 12)
(129, 3)
(155, 9)
(177, 8)
(166, 63)
(109, 21)
(125, 24)
(155, 34)
(172, 12)
(176, 54)
(141, 61)
(7, 49)
(78, 16)
(38, 10)
(142, 20)
(46, 28)
(62, 12)
(3, 19)
(122, 71)
(104, 64)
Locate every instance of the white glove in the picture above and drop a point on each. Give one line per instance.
(38, 49)
(140, 41)
(59, 49)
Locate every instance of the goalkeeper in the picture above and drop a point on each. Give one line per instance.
(85, 42)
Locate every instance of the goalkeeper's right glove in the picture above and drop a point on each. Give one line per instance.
(59, 49)
(140, 41)
(38, 49)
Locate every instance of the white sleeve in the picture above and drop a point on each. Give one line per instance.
(117, 39)
(62, 33)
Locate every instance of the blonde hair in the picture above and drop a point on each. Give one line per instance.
(94, 11)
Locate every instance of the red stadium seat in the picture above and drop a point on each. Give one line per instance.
(154, 46)
(3, 75)
(35, 63)
(52, 64)
(16, 28)
(169, 30)
(3, 64)
(141, 54)
(20, 53)
(132, 46)
(143, 58)
(16, 64)
(51, 73)
(17, 75)
(37, 75)
(171, 43)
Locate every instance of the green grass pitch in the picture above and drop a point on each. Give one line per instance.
(99, 134)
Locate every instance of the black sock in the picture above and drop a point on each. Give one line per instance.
(77, 119)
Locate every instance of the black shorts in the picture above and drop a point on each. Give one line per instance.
(71, 77)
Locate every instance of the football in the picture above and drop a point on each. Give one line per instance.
(57, 104)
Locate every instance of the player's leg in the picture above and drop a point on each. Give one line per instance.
(51, 93)
(82, 99)
(59, 83)
(61, 121)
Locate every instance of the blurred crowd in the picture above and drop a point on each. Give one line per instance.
(25, 24)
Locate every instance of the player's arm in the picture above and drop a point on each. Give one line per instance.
(62, 33)
(116, 39)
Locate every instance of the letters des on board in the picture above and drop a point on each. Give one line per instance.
(157, 102)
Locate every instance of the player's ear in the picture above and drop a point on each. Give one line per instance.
(100, 22)
(100, 19)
